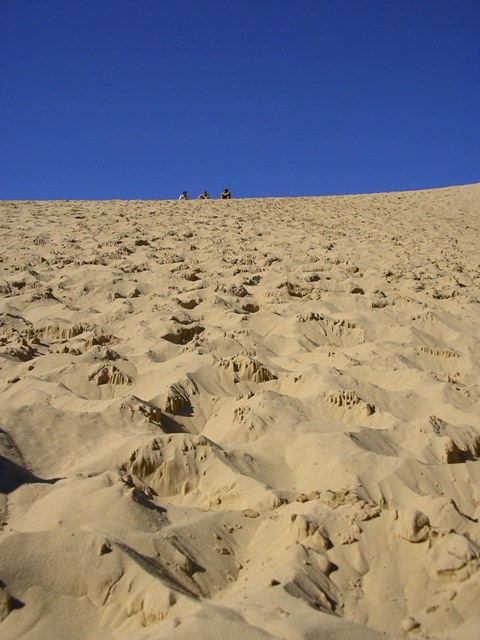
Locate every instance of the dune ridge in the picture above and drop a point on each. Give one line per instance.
(257, 417)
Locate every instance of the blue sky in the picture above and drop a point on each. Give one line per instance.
(140, 99)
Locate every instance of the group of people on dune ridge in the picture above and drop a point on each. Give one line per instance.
(225, 195)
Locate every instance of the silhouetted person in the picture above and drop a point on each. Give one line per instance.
(226, 195)
(184, 196)
(204, 196)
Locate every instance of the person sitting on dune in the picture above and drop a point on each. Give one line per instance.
(204, 196)
(226, 195)
(184, 196)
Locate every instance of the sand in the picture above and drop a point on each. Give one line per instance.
(255, 418)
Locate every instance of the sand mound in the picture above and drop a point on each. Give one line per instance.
(245, 418)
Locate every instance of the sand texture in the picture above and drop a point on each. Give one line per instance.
(241, 419)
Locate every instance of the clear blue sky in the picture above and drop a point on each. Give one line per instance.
(130, 99)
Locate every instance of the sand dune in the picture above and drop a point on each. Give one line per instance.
(248, 418)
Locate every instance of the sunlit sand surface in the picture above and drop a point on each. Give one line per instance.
(241, 419)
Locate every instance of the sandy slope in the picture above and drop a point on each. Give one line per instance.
(246, 418)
